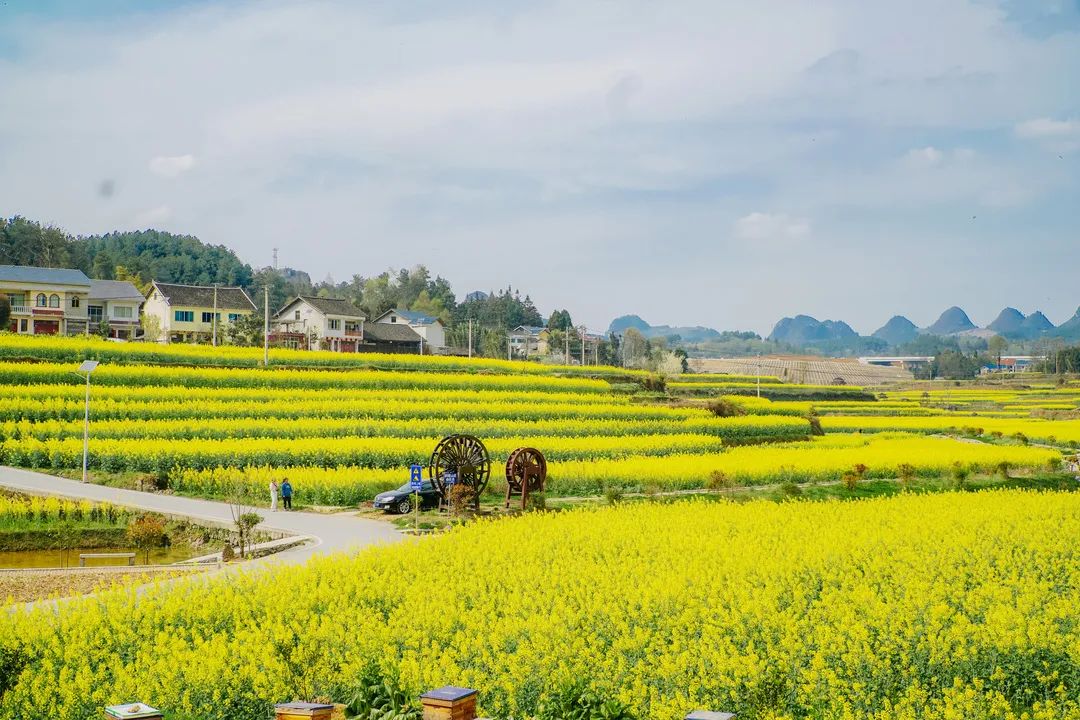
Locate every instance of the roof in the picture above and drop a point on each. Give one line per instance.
(327, 306)
(528, 330)
(228, 298)
(114, 290)
(51, 276)
(414, 317)
(390, 333)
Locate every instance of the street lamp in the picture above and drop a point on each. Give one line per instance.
(87, 367)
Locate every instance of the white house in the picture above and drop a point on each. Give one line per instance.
(117, 303)
(527, 340)
(336, 324)
(429, 328)
(187, 312)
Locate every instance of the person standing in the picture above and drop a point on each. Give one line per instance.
(286, 493)
(273, 495)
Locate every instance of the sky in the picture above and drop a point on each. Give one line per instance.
(695, 163)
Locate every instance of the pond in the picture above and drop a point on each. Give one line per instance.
(51, 558)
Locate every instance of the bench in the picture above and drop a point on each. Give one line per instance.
(83, 556)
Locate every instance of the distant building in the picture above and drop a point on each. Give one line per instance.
(45, 301)
(116, 302)
(336, 324)
(1015, 363)
(526, 340)
(429, 328)
(391, 338)
(476, 296)
(906, 362)
(186, 312)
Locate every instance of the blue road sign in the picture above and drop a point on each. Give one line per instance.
(414, 473)
(450, 478)
(416, 485)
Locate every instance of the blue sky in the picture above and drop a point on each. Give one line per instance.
(703, 163)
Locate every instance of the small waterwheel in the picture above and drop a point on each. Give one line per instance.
(526, 472)
(460, 460)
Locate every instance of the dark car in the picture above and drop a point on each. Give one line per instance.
(401, 500)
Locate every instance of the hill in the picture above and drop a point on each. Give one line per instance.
(1068, 330)
(1036, 325)
(686, 334)
(897, 331)
(1009, 322)
(952, 321)
(806, 330)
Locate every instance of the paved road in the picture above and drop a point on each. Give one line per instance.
(332, 533)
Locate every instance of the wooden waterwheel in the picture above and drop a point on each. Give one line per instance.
(460, 460)
(526, 472)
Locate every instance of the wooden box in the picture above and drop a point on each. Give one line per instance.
(449, 703)
(132, 711)
(303, 711)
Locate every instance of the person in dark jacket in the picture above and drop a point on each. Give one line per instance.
(286, 493)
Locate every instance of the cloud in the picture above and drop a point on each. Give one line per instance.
(172, 166)
(759, 226)
(1057, 135)
(153, 216)
(923, 157)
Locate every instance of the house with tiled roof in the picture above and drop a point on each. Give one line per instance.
(526, 340)
(429, 328)
(45, 301)
(188, 313)
(311, 322)
(115, 303)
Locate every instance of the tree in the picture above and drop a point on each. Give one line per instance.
(560, 320)
(997, 346)
(5, 312)
(246, 330)
(635, 348)
(151, 327)
(145, 532)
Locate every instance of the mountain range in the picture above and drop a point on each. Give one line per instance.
(836, 336)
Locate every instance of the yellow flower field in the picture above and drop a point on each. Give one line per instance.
(916, 607)
(1064, 431)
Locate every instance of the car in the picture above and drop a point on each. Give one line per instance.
(401, 500)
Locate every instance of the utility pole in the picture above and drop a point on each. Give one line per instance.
(509, 356)
(266, 325)
(583, 346)
(87, 367)
(213, 319)
(566, 337)
(470, 337)
(759, 375)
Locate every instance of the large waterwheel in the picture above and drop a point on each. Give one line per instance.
(460, 460)
(526, 472)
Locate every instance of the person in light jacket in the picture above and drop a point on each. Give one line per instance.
(273, 495)
(286, 493)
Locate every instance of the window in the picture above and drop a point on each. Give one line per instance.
(393, 318)
(233, 317)
(40, 300)
(209, 316)
(16, 301)
(184, 315)
(122, 311)
(74, 301)
(94, 313)
(54, 301)
(334, 324)
(22, 325)
(296, 315)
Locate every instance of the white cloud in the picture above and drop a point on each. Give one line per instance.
(923, 157)
(759, 226)
(153, 216)
(1060, 136)
(170, 166)
(1043, 128)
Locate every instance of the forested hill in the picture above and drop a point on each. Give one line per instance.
(149, 254)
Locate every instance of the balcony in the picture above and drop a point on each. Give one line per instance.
(21, 309)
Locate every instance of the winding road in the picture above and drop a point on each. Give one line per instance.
(329, 533)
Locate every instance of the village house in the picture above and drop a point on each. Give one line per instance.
(116, 304)
(429, 328)
(186, 313)
(528, 340)
(45, 301)
(312, 322)
(332, 324)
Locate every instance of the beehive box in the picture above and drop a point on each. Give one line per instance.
(132, 711)
(303, 711)
(449, 703)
